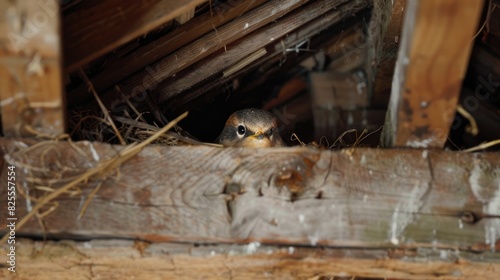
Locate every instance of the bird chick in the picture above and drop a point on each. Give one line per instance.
(252, 128)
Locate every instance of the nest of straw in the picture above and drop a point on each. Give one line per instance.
(131, 126)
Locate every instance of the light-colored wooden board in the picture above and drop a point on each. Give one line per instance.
(434, 52)
(185, 17)
(31, 94)
(96, 27)
(125, 259)
(363, 198)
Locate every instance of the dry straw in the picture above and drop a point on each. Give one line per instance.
(99, 173)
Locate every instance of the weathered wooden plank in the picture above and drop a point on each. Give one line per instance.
(96, 27)
(119, 67)
(366, 198)
(125, 259)
(31, 94)
(149, 78)
(298, 27)
(433, 56)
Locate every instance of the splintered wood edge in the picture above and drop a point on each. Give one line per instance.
(129, 259)
(360, 198)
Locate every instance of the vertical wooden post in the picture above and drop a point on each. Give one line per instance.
(31, 91)
(432, 60)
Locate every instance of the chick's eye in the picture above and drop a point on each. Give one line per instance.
(241, 130)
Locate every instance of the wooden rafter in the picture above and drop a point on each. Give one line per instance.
(436, 43)
(328, 26)
(96, 27)
(152, 75)
(360, 198)
(299, 27)
(31, 91)
(120, 67)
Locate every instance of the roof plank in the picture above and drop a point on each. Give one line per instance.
(136, 86)
(96, 27)
(119, 67)
(434, 52)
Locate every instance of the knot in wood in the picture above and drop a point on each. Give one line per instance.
(292, 179)
(233, 188)
(469, 217)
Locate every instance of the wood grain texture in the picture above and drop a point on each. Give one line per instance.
(376, 30)
(170, 65)
(125, 259)
(385, 68)
(292, 29)
(366, 198)
(96, 27)
(31, 91)
(433, 56)
(119, 67)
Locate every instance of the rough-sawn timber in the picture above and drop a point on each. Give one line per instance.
(366, 198)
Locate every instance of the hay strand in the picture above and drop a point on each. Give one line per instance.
(103, 108)
(100, 172)
(482, 146)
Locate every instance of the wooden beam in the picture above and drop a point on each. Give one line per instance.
(298, 27)
(31, 94)
(437, 40)
(129, 259)
(96, 27)
(150, 77)
(119, 67)
(359, 198)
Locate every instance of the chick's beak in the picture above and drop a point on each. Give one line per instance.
(259, 135)
(258, 140)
